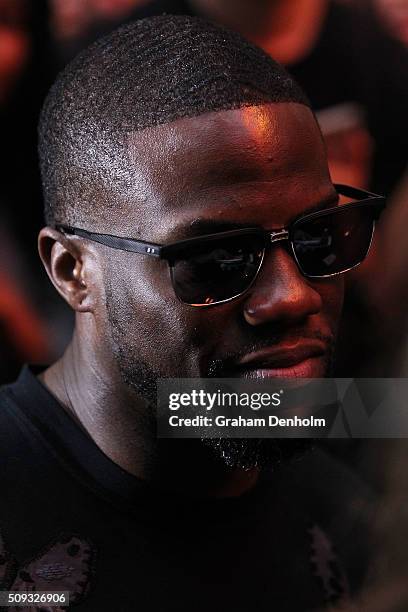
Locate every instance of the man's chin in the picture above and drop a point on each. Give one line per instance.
(250, 453)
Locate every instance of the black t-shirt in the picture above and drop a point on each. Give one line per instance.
(353, 61)
(72, 520)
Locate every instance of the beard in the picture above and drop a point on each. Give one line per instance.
(242, 453)
(249, 453)
(138, 375)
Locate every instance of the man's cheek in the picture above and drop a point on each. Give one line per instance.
(161, 331)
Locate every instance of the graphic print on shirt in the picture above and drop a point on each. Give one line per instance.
(327, 567)
(66, 564)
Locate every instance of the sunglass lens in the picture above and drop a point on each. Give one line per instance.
(333, 243)
(217, 271)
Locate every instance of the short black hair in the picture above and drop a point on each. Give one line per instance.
(142, 75)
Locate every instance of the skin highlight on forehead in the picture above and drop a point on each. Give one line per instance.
(215, 167)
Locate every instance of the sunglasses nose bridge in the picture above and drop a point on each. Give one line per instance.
(278, 236)
(274, 237)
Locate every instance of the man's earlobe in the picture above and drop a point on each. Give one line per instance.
(63, 262)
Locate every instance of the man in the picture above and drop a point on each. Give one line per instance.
(168, 130)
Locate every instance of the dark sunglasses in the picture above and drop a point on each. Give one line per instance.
(217, 268)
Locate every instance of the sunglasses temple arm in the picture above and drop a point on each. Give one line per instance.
(115, 242)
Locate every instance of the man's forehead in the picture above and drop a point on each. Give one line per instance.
(237, 138)
(181, 167)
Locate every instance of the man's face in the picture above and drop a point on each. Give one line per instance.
(256, 166)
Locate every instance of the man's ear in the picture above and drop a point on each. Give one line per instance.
(63, 260)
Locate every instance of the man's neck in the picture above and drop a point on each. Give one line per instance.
(123, 427)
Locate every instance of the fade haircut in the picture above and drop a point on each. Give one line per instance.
(143, 75)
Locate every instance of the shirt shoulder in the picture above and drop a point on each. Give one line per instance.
(14, 426)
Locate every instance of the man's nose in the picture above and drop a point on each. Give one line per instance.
(281, 294)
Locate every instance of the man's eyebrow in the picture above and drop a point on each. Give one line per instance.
(213, 226)
(328, 202)
(201, 227)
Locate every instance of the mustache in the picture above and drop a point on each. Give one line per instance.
(220, 367)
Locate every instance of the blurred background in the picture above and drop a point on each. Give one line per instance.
(351, 57)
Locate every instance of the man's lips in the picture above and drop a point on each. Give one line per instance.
(304, 359)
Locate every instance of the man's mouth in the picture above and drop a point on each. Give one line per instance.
(305, 359)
